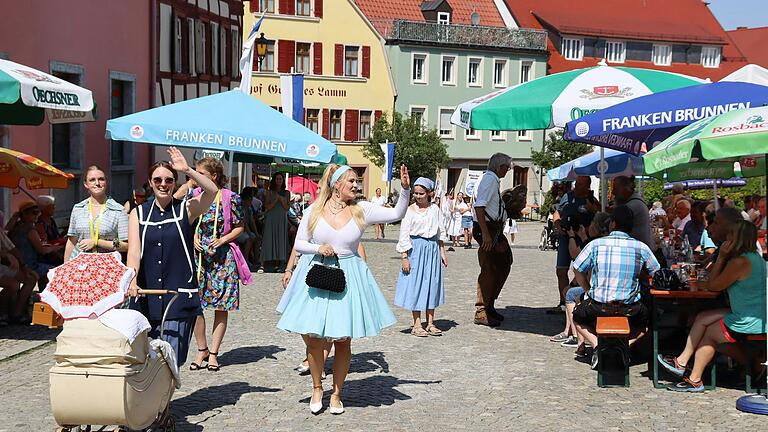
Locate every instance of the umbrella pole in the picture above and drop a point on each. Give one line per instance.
(602, 179)
(229, 167)
(715, 200)
(27, 193)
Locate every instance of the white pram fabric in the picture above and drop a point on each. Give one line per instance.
(129, 323)
(160, 346)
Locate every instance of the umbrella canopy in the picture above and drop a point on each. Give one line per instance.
(87, 285)
(616, 164)
(230, 121)
(750, 73)
(37, 174)
(708, 184)
(26, 93)
(554, 100)
(299, 185)
(653, 118)
(732, 135)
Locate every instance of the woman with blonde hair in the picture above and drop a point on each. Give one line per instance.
(330, 232)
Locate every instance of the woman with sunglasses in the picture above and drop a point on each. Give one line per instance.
(98, 223)
(161, 248)
(27, 240)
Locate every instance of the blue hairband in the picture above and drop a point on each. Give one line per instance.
(338, 173)
(425, 183)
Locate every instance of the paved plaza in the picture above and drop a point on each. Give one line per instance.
(471, 378)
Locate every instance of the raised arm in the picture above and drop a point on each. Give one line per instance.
(377, 214)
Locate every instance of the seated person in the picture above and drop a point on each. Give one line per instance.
(27, 240)
(248, 237)
(740, 270)
(695, 228)
(17, 282)
(48, 230)
(616, 262)
(706, 246)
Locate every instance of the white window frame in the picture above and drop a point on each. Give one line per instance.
(452, 134)
(214, 48)
(223, 51)
(500, 135)
(531, 74)
(309, 8)
(444, 18)
(296, 57)
(524, 135)
(178, 43)
(267, 2)
(319, 123)
(623, 53)
(236, 52)
(424, 68)
(716, 58)
(341, 124)
(424, 110)
(479, 82)
(452, 82)
(201, 40)
(358, 65)
(191, 26)
(505, 73)
(472, 134)
(360, 124)
(668, 60)
(565, 51)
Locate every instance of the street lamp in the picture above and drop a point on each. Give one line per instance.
(261, 48)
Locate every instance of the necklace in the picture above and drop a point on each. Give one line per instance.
(336, 207)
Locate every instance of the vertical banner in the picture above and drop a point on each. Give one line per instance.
(473, 178)
(246, 59)
(292, 96)
(389, 160)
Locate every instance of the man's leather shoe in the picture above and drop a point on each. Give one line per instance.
(494, 315)
(490, 322)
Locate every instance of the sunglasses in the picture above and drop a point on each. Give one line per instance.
(163, 180)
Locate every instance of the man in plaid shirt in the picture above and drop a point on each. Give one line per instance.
(616, 262)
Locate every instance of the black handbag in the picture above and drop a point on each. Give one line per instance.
(327, 277)
(667, 280)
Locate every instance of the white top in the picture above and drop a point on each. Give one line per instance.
(346, 239)
(679, 224)
(379, 201)
(461, 205)
(488, 195)
(416, 223)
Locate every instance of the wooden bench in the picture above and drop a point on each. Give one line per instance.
(608, 330)
(753, 347)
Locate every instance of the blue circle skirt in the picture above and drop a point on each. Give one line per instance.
(422, 288)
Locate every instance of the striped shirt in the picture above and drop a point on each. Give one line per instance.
(616, 261)
(114, 224)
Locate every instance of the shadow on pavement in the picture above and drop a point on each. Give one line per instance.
(28, 332)
(531, 320)
(443, 324)
(210, 400)
(249, 354)
(373, 391)
(367, 362)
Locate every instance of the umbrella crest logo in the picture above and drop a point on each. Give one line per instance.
(313, 150)
(582, 129)
(35, 76)
(137, 131)
(600, 92)
(754, 119)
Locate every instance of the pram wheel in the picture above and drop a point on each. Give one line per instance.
(86, 428)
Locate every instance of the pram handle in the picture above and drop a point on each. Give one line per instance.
(167, 308)
(153, 291)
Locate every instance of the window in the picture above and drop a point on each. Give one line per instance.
(419, 114)
(350, 60)
(446, 128)
(120, 105)
(662, 55)
(223, 51)
(236, 52)
(177, 45)
(215, 48)
(614, 52)
(710, 57)
(525, 71)
(475, 72)
(302, 7)
(499, 73)
(268, 64)
(267, 6)
(335, 124)
(365, 126)
(572, 49)
(200, 42)
(67, 138)
(519, 176)
(419, 68)
(524, 135)
(191, 46)
(443, 18)
(302, 58)
(471, 134)
(498, 135)
(312, 122)
(447, 75)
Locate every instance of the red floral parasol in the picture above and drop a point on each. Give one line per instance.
(87, 285)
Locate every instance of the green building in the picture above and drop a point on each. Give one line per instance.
(446, 52)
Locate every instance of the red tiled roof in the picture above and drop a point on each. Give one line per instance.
(381, 13)
(751, 42)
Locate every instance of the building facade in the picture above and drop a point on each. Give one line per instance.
(347, 82)
(446, 52)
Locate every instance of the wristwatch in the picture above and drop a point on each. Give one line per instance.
(116, 244)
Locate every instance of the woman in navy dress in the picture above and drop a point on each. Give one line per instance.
(160, 248)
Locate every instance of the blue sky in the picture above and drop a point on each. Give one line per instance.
(737, 13)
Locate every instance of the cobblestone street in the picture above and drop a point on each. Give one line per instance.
(471, 378)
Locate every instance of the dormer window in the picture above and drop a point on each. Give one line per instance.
(444, 18)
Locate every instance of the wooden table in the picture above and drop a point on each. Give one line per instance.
(663, 295)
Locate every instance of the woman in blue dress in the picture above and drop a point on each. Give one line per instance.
(161, 247)
(332, 227)
(422, 246)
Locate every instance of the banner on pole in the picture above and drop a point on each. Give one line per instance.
(246, 59)
(389, 160)
(292, 96)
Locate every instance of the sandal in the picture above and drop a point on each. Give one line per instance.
(434, 331)
(418, 331)
(194, 366)
(214, 368)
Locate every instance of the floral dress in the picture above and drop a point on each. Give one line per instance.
(219, 282)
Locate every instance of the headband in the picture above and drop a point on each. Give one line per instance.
(337, 175)
(425, 183)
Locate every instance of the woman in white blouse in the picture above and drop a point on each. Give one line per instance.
(422, 246)
(332, 228)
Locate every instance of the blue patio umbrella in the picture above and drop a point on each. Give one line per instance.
(655, 117)
(230, 121)
(616, 164)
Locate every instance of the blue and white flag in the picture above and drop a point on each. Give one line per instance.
(389, 160)
(292, 96)
(246, 59)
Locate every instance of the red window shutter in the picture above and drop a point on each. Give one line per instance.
(304, 117)
(319, 8)
(317, 50)
(366, 62)
(326, 120)
(350, 125)
(376, 115)
(338, 63)
(254, 6)
(288, 7)
(286, 55)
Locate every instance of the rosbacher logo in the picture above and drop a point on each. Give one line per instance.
(753, 122)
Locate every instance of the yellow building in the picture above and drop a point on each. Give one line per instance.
(347, 77)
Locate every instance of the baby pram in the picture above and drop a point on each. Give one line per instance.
(100, 378)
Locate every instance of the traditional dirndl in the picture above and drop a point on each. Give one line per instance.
(359, 311)
(422, 288)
